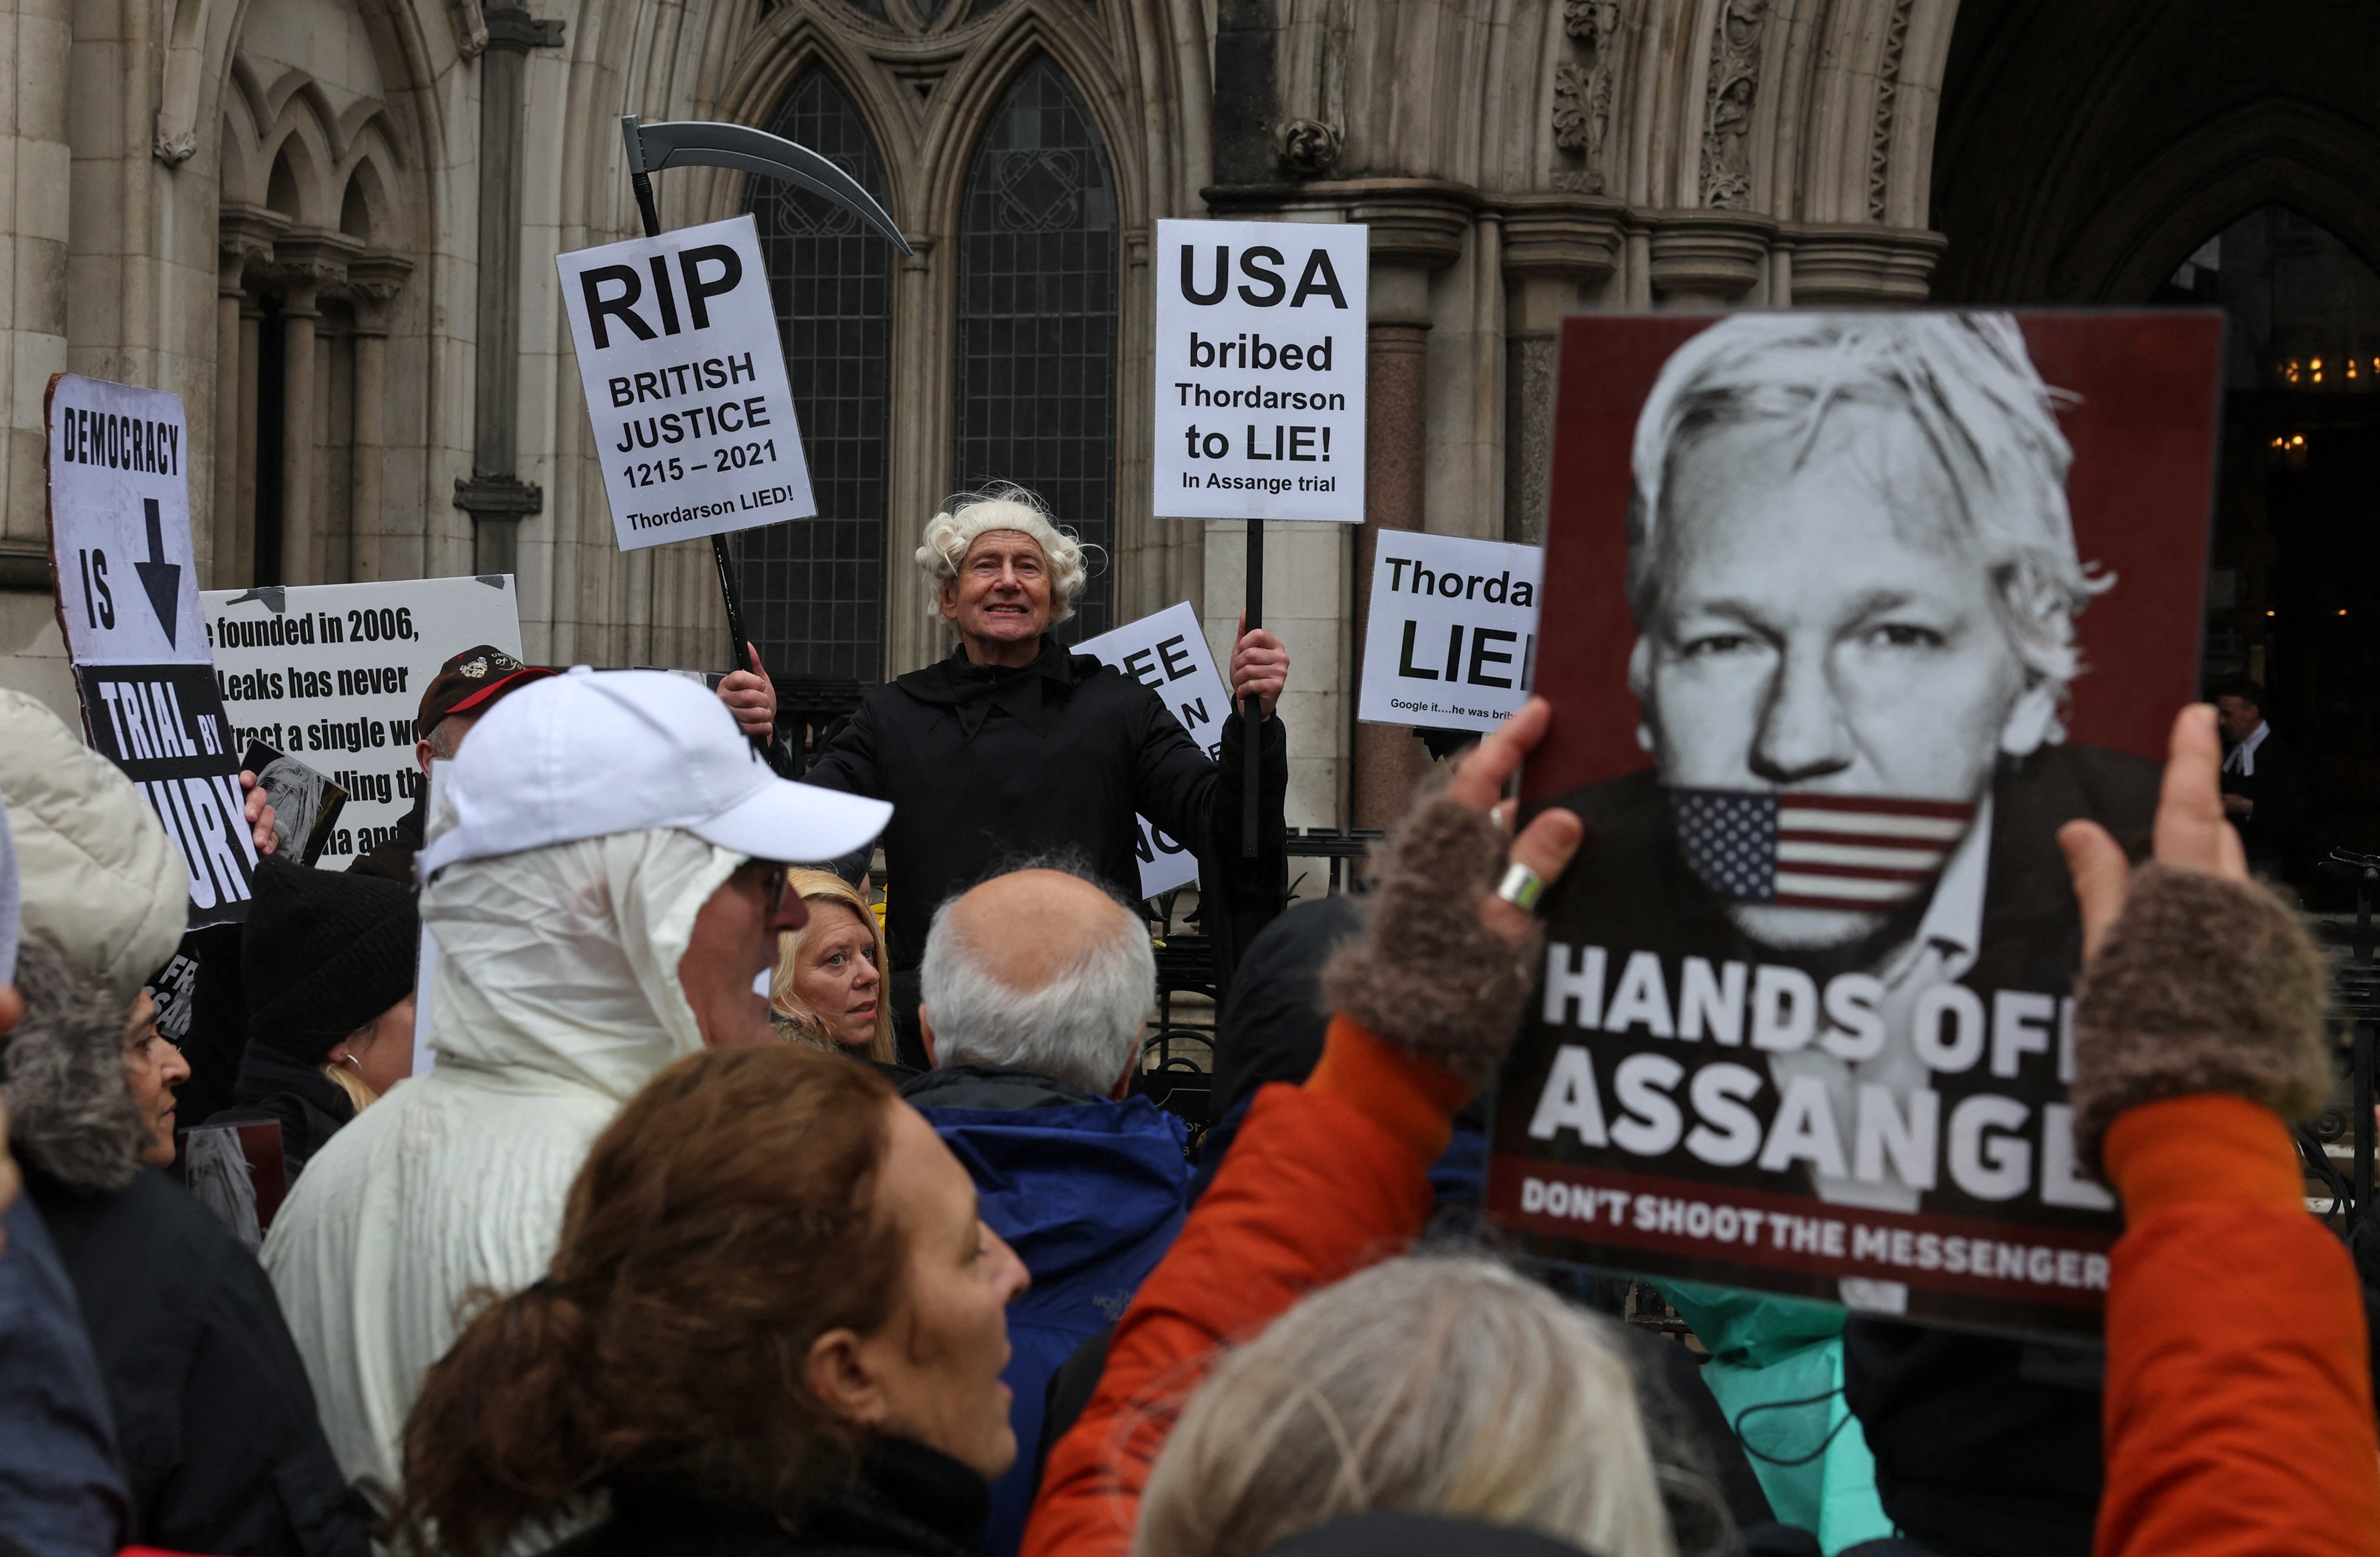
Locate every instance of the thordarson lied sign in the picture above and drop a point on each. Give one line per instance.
(686, 383)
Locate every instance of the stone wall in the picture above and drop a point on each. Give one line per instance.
(330, 225)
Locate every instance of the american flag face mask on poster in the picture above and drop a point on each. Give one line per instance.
(1855, 853)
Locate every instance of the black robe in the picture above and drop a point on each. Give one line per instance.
(989, 767)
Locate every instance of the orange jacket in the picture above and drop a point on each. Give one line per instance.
(1324, 1179)
(2239, 1410)
(2238, 1407)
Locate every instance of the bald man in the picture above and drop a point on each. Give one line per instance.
(1037, 985)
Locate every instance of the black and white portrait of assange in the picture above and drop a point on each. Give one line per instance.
(296, 793)
(1857, 597)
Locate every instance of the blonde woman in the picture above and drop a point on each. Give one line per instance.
(828, 989)
(1014, 746)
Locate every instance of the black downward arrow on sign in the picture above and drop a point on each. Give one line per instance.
(162, 579)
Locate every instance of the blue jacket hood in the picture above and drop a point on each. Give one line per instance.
(1090, 1196)
(1087, 1194)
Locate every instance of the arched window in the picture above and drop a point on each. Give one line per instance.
(1037, 278)
(814, 587)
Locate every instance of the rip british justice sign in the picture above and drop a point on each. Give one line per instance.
(685, 384)
(1260, 369)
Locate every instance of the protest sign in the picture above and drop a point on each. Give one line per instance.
(128, 596)
(1260, 369)
(1452, 639)
(1167, 652)
(333, 674)
(1889, 599)
(686, 383)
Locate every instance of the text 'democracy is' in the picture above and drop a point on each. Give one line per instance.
(1854, 612)
(128, 599)
(686, 383)
(1260, 361)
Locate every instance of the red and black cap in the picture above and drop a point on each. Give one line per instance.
(471, 683)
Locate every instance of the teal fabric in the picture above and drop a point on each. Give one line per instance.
(1777, 1371)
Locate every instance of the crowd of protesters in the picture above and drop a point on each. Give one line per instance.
(725, 1218)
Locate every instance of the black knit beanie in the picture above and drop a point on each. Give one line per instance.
(324, 953)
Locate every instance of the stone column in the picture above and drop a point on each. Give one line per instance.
(1559, 251)
(244, 235)
(300, 292)
(919, 454)
(1418, 229)
(306, 265)
(372, 282)
(231, 294)
(35, 154)
(495, 496)
(251, 357)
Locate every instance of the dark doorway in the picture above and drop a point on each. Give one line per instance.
(2293, 590)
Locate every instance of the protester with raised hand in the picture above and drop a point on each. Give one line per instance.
(221, 1448)
(828, 989)
(2239, 1415)
(1015, 747)
(1036, 986)
(604, 881)
(2239, 1406)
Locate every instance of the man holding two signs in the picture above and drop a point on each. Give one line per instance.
(1014, 746)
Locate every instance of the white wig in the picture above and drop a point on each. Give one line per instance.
(1979, 404)
(1002, 506)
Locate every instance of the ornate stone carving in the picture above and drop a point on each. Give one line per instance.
(373, 282)
(1727, 124)
(176, 149)
(1888, 93)
(470, 27)
(1709, 258)
(1309, 149)
(1583, 91)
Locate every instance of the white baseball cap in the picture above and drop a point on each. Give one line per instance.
(597, 752)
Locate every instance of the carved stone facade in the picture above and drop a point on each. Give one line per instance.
(329, 226)
(1734, 84)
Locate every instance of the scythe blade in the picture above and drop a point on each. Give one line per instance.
(692, 143)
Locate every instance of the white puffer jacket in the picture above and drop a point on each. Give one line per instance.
(555, 999)
(102, 884)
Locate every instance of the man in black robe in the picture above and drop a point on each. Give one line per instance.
(2265, 782)
(1016, 749)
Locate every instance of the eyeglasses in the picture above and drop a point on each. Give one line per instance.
(772, 881)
